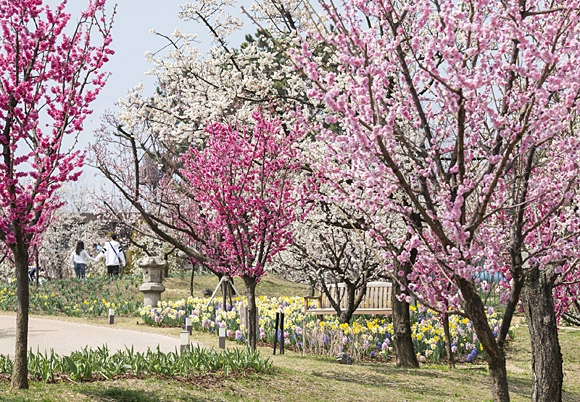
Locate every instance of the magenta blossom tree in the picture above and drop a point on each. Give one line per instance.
(242, 189)
(459, 117)
(50, 72)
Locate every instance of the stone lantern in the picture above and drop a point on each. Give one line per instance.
(152, 287)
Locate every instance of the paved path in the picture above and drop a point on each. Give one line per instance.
(65, 337)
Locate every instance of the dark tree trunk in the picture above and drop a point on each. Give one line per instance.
(225, 288)
(37, 264)
(345, 315)
(402, 340)
(165, 270)
(403, 343)
(448, 340)
(250, 283)
(547, 374)
(496, 362)
(344, 300)
(20, 370)
(191, 280)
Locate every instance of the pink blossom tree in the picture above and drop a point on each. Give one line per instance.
(226, 201)
(242, 189)
(49, 75)
(454, 115)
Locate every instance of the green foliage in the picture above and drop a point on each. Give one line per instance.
(91, 297)
(99, 364)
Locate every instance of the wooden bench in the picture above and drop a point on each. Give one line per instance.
(377, 300)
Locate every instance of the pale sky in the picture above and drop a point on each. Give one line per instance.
(131, 39)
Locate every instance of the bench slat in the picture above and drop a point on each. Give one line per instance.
(358, 311)
(377, 300)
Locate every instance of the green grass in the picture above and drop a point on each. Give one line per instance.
(314, 378)
(309, 378)
(177, 286)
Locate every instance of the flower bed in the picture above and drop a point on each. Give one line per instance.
(365, 337)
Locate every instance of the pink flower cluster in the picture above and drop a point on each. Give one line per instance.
(49, 75)
(242, 194)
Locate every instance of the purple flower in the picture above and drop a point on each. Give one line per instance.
(471, 355)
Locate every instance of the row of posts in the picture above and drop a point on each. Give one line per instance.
(152, 287)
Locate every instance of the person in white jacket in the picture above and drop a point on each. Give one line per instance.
(78, 260)
(113, 255)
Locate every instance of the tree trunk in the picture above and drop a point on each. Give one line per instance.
(20, 370)
(538, 305)
(403, 342)
(345, 315)
(404, 348)
(250, 283)
(448, 340)
(496, 362)
(498, 376)
(191, 280)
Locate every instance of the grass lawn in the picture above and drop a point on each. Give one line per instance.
(311, 378)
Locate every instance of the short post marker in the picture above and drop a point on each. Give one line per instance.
(111, 316)
(188, 325)
(222, 337)
(184, 340)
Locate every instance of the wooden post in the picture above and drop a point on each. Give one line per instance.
(281, 333)
(304, 335)
(279, 326)
(276, 331)
(225, 288)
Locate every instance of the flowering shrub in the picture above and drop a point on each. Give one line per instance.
(365, 337)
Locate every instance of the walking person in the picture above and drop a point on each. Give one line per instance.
(79, 259)
(113, 255)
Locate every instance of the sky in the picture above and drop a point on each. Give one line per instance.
(131, 39)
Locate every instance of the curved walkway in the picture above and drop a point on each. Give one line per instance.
(65, 337)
